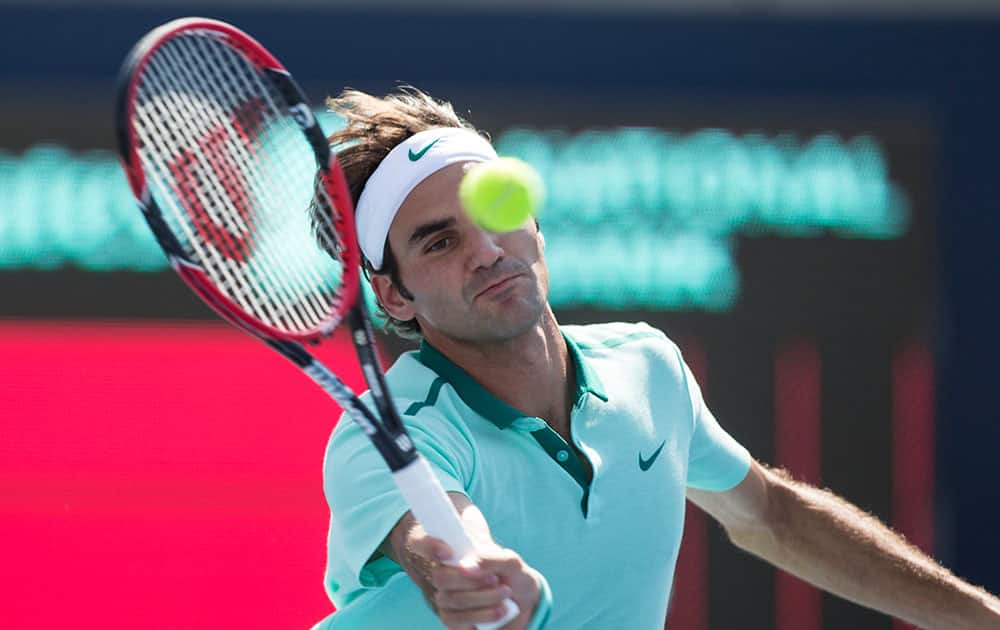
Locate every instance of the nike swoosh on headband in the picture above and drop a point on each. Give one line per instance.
(419, 154)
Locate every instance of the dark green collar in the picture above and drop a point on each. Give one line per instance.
(587, 381)
(489, 406)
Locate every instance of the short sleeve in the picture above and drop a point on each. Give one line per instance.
(716, 461)
(365, 504)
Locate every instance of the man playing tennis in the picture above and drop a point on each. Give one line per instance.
(567, 450)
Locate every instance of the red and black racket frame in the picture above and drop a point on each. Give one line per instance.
(388, 436)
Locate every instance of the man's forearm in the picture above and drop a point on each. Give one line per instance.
(463, 596)
(834, 545)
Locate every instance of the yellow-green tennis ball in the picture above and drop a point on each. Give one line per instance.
(501, 195)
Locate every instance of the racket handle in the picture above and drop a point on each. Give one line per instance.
(436, 513)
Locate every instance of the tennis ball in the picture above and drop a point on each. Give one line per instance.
(502, 194)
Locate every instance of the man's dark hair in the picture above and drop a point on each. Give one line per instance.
(374, 126)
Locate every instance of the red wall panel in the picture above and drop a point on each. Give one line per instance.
(160, 475)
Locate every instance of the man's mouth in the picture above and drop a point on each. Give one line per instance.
(498, 285)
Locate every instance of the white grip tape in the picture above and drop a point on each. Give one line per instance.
(436, 513)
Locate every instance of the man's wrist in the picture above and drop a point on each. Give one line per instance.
(975, 609)
(540, 616)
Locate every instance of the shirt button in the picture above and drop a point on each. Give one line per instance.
(562, 455)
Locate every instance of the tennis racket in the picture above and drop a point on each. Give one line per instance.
(241, 190)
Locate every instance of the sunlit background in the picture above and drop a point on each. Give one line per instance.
(803, 195)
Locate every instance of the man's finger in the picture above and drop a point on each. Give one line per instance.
(464, 618)
(502, 563)
(472, 600)
(431, 549)
(453, 578)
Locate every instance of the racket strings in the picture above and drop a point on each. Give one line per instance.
(238, 100)
(248, 92)
(209, 233)
(223, 156)
(210, 249)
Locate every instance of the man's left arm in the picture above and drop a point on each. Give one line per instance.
(819, 537)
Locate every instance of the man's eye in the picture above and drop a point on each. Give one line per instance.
(439, 244)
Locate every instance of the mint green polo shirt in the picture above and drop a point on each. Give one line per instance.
(606, 545)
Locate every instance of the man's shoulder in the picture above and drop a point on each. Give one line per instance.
(608, 337)
(408, 380)
(413, 387)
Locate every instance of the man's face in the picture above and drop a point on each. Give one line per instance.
(467, 283)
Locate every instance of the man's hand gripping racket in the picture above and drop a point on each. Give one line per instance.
(221, 150)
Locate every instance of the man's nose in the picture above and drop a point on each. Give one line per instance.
(485, 248)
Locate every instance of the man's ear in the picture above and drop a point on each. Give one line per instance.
(391, 299)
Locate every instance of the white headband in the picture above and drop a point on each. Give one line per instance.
(409, 163)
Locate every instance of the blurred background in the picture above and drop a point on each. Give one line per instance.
(801, 193)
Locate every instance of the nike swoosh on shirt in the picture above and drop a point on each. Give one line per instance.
(644, 464)
(419, 154)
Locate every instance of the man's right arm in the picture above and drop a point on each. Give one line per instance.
(834, 545)
(463, 597)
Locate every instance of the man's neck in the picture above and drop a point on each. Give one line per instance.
(531, 372)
